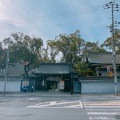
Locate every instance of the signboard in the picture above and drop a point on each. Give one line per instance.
(61, 84)
(108, 68)
(53, 78)
(111, 74)
(25, 85)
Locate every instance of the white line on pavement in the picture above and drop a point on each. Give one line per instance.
(101, 118)
(103, 113)
(102, 106)
(58, 104)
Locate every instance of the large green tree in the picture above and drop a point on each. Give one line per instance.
(69, 46)
(53, 52)
(45, 55)
(107, 44)
(24, 49)
(81, 66)
(84, 69)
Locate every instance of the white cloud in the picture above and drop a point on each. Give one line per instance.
(92, 25)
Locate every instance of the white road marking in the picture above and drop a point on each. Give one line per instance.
(101, 118)
(102, 110)
(98, 109)
(102, 106)
(58, 104)
(53, 103)
(103, 113)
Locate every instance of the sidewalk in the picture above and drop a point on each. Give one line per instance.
(57, 94)
(39, 93)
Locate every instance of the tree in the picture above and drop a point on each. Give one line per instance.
(45, 55)
(84, 69)
(81, 66)
(92, 47)
(25, 49)
(107, 44)
(70, 46)
(53, 51)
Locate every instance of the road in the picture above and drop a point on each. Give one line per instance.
(76, 107)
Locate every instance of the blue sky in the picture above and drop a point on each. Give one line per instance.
(49, 18)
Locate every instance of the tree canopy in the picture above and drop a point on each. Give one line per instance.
(24, 49)
(107, 44)
(70, 48)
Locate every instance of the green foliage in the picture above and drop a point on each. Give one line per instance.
(68, 45)
(24, 48)
(83, 69)
(45, 55)
(71, 48)
(53, 51)
(107, 44)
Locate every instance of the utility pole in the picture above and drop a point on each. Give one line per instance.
(6, 70)
(71, 78)
(113, 7)
(71, 72)
(71, 67)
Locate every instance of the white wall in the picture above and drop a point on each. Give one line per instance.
(98, 86)
(12, 84)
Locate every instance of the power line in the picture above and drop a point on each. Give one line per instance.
(60, 13)
(52, 16)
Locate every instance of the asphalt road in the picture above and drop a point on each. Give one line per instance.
(34, 106)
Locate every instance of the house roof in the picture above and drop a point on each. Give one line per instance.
(102, 58)
(52, 68)
(15, 69)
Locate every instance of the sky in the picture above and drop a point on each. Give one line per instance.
(49, 18)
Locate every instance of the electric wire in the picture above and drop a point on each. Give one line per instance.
(60, 13)
(51, 17)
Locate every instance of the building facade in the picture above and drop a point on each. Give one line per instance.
(52, 76)
(60, 77)
(103, 80)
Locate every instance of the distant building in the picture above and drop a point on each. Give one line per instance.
(16, 69)
(53, 76)
(15, 75)
(103, 81)
(102, 62)
(60, 76)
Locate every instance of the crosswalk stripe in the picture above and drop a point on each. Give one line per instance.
(103, 113)
(102, 110)
(98, 109)
(102, 106)
(101, 118)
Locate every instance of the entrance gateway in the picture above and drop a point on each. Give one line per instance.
(53, 77)
(55, 83)
(52, 83)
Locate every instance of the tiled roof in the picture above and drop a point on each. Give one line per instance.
(53, 68)
(102, 58)
(15, 69)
